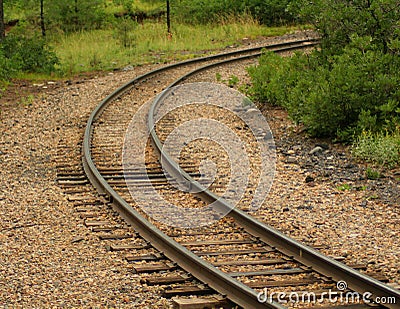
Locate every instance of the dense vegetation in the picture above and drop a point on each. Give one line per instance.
(268, 12)
(349, 89)
(28, 54)
(65, 36)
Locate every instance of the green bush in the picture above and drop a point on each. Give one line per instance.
(350, 84)
(338, 21)
(70, 16)
(6, 68)
(24, 54)
(269, 12)
(354, 91)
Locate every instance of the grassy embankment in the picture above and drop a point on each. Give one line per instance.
(149, 43)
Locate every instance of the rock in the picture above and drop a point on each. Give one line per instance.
(127, 68)
(305, 207)
(316, 150)
(291, 160)
(323, 146)
(396, 172)
(77, 239)
(309, 179)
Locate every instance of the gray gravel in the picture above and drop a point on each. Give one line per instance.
(41, 265)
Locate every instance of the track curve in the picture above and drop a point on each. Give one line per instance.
(221, 282)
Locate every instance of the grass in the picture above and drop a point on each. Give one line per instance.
(27, 100)
(149, 43)
(37, 77)
(379, 149)
(149, 5)
(344, 187)
(372, 174)
(137, 5)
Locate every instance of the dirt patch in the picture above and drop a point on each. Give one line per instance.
(24, 91)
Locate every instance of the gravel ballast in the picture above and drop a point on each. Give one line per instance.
(42, 264)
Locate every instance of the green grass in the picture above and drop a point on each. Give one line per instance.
(379, 149)
(372, 174)
(37, 77)
(103, 50)
(13, 11)
(27, 100)
(344, 187)
(147, 6)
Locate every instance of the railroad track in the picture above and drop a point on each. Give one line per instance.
(234, 260)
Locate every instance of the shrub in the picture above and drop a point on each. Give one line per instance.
(125, 32)
(269, 12)
(6, 68)
(347, 93)
(372, 174)
(26, 54)
(351, 84)
(338, 21)
(70, 16)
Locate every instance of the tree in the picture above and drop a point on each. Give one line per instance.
(2, 27)
(337, 21)
(168, 19)
(42, 26)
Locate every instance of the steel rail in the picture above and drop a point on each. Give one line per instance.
(304, 254)
(238, 293)
(92, 172)
(222, 283)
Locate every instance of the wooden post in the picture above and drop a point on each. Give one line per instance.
(42, 18)
(168, 19)
(76, 18)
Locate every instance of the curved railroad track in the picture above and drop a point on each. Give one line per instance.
(213, 255)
